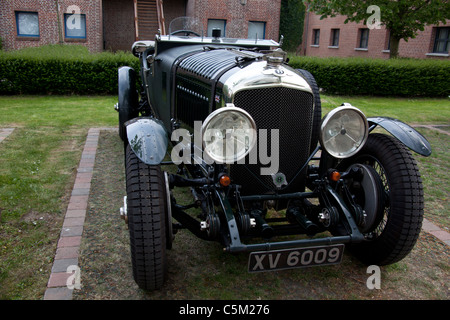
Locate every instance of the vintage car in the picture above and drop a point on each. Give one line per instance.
(268, 174)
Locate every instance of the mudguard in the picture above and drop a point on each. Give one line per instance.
(405, 133)
(148, 139)
(128, 98)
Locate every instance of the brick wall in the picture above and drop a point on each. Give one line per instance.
(173, 9)
(49, 18)
(118, 32)
(237, 15)
(118, 24)
(419, 47)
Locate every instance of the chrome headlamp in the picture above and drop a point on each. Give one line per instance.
(344, 131)
(228, 134)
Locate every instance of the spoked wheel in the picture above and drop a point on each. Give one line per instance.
(147, 221)
(395, 212)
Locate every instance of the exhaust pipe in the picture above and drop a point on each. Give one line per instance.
(307, 225)
(267, 231)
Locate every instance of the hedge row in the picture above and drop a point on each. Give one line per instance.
(61, 70)
(67, 69)
(397, 77)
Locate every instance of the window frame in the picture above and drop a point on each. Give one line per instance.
(21, 35)
(316, 37)
(363, 40)
(438, 39)
(335, 35)
(264, 23)
(224, 27)
(68, 37)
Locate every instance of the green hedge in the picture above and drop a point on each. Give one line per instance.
(397, 77)
(60, 69)
(71, 69)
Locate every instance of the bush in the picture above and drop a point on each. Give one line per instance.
(71, 69)
(396, 77)
(61, 69)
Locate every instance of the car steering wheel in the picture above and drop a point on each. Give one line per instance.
(188, 32)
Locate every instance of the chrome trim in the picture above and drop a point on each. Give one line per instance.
(220, 41)
(169, 206)
(229, 107)
(329, 115)
(258, 75)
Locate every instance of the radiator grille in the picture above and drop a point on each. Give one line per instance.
(208, 64)
(291, 112)
(192, 100)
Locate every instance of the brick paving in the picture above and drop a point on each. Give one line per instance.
(5, 132)
(70, 238)
(69, 242)
(434, 230)
(436, 127)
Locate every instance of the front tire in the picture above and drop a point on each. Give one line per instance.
(146, 210)
(396, 232)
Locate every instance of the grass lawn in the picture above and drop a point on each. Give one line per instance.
(38, 165)
(412, 111)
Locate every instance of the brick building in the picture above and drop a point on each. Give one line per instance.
(238, 18)
(116, 24)
(331, 37)
(26, 23)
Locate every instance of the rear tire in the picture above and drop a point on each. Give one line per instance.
(397, 231)
(146, 210)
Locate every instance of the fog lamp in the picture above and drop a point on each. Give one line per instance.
(344, 131)
(228, 134)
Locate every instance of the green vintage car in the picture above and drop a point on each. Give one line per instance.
(247, 137)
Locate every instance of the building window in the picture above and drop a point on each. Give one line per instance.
(316, 37)
(388, 40)
(334, 41)
(363, 38)
(75, 25)
(216, 24)
(442, 40)
(256, 30)
(27, 24)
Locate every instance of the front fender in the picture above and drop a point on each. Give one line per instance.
(148, 139)
(409, 136)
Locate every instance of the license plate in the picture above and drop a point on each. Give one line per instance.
(295, 258)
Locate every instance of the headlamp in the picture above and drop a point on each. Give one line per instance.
(228, 134)
(344, 131)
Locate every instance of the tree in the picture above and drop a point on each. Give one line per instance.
(291, 23)
(403, 18)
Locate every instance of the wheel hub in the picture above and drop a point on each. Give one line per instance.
(368, 197)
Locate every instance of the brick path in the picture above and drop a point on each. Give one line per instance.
(436, 127)
(70, 238)
(4, 132)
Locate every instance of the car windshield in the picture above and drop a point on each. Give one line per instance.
(186, 26)
(236, 28)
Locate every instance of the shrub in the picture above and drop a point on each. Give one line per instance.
(396, 77)
(61, 69)
(71, 69)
